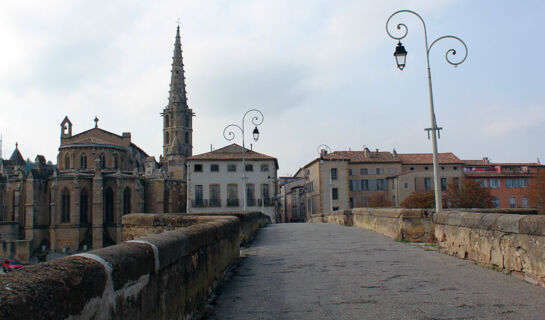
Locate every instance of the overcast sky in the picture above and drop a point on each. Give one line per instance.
(321, 72)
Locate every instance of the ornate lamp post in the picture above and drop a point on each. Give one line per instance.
(400, 55)
(324, 149)
(229, 135)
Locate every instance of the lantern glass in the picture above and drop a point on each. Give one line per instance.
(256, 134)
(400, 55)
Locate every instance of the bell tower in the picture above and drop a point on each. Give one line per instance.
(177, 117)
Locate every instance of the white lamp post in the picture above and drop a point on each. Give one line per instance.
(400, 55)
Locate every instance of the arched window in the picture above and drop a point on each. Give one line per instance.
(166, 138)
(166, 120)
(186, 120)
(67, 162)
(109, 205)
(83, 206)
(65, 205)
(127, 200)
(83, 161)
(115, 161)
(102, 161)
(187, 137)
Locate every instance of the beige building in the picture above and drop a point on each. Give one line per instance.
(215, 181)
(348, 179)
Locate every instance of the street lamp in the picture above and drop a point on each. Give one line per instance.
(324, 149)
(400, 55)
(229, 135)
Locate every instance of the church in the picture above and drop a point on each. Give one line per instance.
(77, 205)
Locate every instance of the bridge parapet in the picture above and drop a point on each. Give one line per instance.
(400, 224)
(159, 276)
(512, 243)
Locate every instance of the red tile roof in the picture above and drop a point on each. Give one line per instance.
(427, 158)
(359, 156)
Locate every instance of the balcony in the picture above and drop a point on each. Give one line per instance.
(250, 202)
(199, 203)
(214, 203)
(268, 202)
(232, 203)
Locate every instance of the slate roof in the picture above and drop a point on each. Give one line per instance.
(16, 157)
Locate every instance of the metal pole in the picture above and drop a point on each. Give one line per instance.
(330, 187)
(229, 135)
(243, 167)
(434, 129)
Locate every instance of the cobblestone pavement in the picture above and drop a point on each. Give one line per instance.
(326, 271)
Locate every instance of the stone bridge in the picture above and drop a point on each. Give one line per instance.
(353, 264)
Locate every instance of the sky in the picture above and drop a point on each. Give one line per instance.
(322, 72)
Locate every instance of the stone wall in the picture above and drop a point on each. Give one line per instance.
(15, 249)
(511, 243)
(397, 223)
(139, 225)
(9, 230)
(160, 276)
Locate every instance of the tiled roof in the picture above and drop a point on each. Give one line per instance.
(231, 152)
(427, 158)
(476, 163)
(359, 156)
(504, 164)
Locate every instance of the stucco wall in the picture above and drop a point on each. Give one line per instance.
(160, 276)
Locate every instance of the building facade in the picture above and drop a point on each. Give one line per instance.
(291, 199)
(78, 204)
(215, 181)
(348, 179)
(508, 182)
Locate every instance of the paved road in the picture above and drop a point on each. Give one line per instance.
(326, 271)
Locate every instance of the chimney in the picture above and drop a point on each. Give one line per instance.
(366, 152)
(394, 153)
(486, 160)
(377, 151)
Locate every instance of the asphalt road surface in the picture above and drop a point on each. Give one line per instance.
(326, 271)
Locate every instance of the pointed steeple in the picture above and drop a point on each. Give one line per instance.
(177, 94)
(177, 116)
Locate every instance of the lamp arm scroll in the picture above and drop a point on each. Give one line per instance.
(229, 133)
(452, 52)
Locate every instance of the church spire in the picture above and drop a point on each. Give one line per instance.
(177, 79)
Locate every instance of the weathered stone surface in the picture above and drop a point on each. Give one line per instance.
(399, 224)
(509, 242)
(130, 261)
(51, 290)
(534, 225)
(508, 223)
(124, 282)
